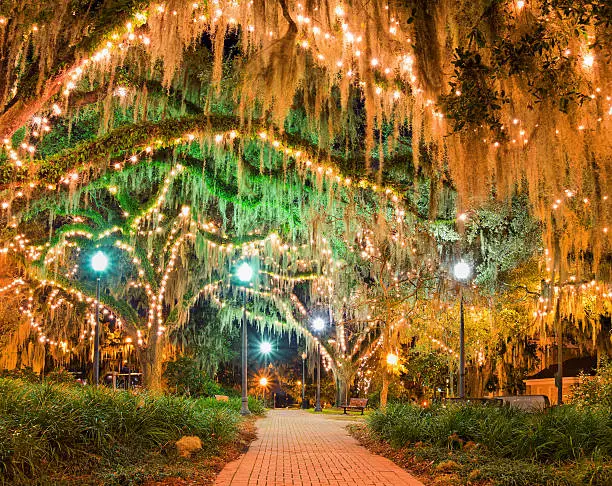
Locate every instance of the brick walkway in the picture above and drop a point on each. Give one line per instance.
(296, 448)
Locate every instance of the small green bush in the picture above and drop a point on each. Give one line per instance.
(558, 434)
(25, 374)
(60, 376)
(595, 391)
(185, 378)
(62, 426)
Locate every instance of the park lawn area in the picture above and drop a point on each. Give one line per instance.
(473, 445)
(72, 434)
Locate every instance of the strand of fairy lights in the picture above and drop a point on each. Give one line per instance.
(349, 38)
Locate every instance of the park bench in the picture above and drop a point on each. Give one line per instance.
(356, 404)
(222, 398)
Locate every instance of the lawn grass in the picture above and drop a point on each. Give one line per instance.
(55, 434)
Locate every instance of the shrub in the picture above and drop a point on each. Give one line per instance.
(44, 425)
(25, 374)
(594, 391)
(60, 376)
(185, 378)
(561, 433)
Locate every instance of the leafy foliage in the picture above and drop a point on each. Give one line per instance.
(503, 237)
(595, 391)
(85, 428)
(559, 434)
(184, 377)
(473, 98)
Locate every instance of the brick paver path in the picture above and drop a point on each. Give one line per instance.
(297, 448)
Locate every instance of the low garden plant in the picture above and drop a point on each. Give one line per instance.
(557, 434)
(567, 445)
(69, 427)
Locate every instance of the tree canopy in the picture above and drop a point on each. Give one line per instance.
(350, 151)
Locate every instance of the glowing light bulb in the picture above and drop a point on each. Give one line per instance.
(318, 324)
(462, 270)
(245, 272)
(99, 262)
(392, 359)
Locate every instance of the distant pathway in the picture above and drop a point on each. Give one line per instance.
(297, 448)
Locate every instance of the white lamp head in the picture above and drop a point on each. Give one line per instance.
(245, 272)
(99, 262)
(392, 359)
(265, 347)
(318, 324)
(462, 270)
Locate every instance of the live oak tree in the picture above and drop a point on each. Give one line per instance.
(322, 124)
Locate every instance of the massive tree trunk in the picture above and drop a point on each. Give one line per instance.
(152, 362)
(384, 392)
(343, 388)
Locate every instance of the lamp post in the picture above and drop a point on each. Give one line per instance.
(304, 355)
(462, 272)
(245, 274)
(318, 324)
(99, 262)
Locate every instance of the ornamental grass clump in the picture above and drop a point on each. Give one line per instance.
(55, 426)
(565, 433)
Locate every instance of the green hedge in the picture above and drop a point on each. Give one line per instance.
(59, 426)
(558, 434)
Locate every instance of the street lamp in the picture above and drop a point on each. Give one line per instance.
(304, 356)
(263, 383)
(244, 273)
(462, 272)
(318, 324)
(392, 359)
(99, 262)
(265, 348)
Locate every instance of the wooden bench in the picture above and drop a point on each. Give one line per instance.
(356, 404)
(222, 398)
